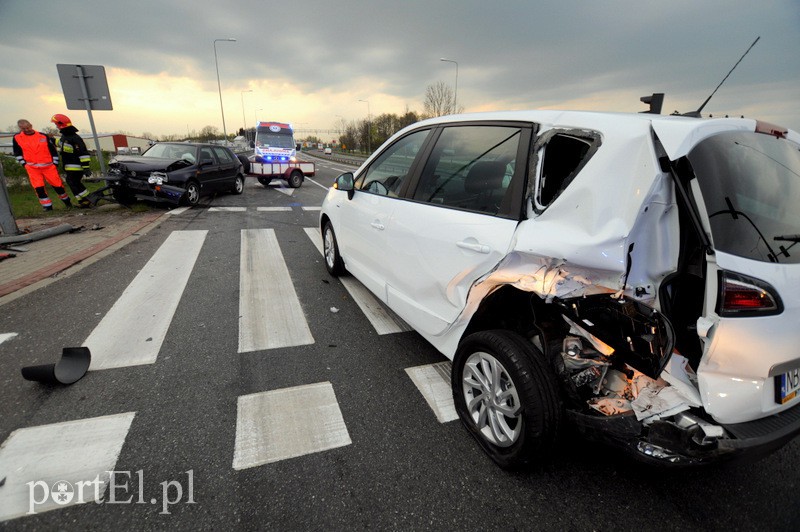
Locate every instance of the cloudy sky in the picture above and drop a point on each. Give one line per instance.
(309, 62)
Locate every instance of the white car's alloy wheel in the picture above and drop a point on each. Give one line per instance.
(492, 399)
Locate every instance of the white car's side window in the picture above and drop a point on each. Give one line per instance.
(560, 159)
(471, 168)
(387, 174)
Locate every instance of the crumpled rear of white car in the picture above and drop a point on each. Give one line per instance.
(634, 275)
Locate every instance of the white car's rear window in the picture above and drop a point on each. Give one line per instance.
(751, 187)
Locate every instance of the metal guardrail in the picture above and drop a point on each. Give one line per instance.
(353, 160)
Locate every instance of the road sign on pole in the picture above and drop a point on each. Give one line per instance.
(86, 87)
(84, 84)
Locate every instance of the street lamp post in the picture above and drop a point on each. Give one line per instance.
(244, 120)
(369, 126)
(219, 87)
(455, 96)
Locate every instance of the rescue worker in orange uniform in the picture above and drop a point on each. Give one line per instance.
(74, 157)
(36, 152)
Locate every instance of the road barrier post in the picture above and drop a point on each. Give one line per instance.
(8, 224)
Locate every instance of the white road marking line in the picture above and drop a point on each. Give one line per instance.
(383, 320)
(341, 168)
(227, 209)
(179, 210)
(319, 185)
(273, 209)
(318, 208)
(132, 332)
(74, 452)
(270, 315)
(6, 336)
(433, 382)
(287, 423)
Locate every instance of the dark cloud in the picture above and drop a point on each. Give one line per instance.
(526, 53)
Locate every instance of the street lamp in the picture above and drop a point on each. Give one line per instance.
(244, 120)
(255, 119)
(219, 87)
(369, 126)
(455, 96)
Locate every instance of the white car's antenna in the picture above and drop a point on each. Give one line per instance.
(696, 114)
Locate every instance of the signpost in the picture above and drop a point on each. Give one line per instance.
(86, 87)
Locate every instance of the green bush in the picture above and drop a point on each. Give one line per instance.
(12, 170)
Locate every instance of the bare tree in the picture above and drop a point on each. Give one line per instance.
(208, 133)
(340, 126)
(50, 131)
(439, 99)
(348, 139)
(364, 135)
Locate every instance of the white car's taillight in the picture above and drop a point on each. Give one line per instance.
(741, 295)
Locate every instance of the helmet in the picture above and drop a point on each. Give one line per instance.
(61, 121)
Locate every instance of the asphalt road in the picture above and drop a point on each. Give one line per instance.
(400, 469)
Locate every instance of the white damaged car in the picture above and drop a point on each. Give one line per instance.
(634, 275)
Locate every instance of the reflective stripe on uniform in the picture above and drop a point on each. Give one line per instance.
(73, 167)
(82, 194)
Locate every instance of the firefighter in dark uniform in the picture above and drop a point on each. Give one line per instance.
(37, 153)
(75, 158)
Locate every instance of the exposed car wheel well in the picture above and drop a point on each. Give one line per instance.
(522, 312)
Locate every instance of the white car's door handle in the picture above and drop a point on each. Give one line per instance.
(377, 225)
(473, 246)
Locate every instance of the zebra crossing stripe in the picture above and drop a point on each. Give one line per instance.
(433, 382)
(273, 209)
(73, 454)
(270, 315)
(384, 321)
(227, 209)
(280, 424)
(124, 339)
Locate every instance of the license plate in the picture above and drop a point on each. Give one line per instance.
(787, 386)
